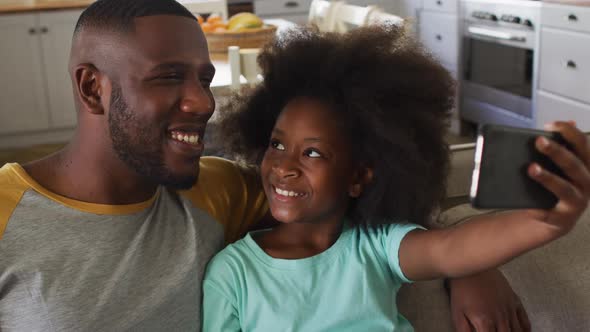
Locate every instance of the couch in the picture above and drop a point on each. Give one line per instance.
(553, 282)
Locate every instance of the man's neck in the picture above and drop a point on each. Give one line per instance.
(90, 176)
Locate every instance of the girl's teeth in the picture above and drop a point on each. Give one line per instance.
(287, 192)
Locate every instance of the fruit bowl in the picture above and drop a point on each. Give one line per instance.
(219, 41)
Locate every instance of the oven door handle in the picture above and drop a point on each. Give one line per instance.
(495, 34)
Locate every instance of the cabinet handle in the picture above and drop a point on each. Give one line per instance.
(32, 31)
(572, 17)
(571, 64)
(44, 30)
(438, 37)
(439, 2)
(291, 4)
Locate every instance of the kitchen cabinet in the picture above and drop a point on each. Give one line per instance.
(291, 10)
(297, 10)
(35, 89)
(564, 66)
(439, 31)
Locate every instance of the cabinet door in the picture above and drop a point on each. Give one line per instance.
(281, 8)
(552, 107)
(450, 6)
(565, 63)
(56, 40)
(440, 34)
(22, 94)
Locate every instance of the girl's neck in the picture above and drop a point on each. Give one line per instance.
(299, 240)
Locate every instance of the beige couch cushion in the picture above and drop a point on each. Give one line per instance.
(553, 282)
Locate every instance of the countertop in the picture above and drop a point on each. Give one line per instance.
(16, 6)
(23, 6)
(569, 2)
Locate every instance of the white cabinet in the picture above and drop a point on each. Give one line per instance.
(292, 10)
(438, 29)
(35, 89)
(449, 6)
(22, 87)
(297, 10)
(439, 33)
(564, 66)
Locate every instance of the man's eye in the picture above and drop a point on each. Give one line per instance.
(312, 153)
(171, 76)
(277, 145)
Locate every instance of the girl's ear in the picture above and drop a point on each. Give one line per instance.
(362, 178)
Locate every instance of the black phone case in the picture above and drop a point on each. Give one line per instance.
(502, 180)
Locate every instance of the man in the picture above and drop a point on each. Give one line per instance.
(113, 232)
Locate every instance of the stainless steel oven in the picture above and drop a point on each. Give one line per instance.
(498, 61)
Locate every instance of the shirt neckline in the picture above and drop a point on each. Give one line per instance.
(299, 263)
(81, 205)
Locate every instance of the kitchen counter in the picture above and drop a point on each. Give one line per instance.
(569, 2)
(16, 6)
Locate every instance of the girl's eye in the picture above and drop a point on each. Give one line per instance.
(277, 145)
(312, 153)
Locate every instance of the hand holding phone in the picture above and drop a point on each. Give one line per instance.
(500, 179)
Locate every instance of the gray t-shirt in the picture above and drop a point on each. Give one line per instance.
(67, 265)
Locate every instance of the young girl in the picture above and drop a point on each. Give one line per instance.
(349, 133)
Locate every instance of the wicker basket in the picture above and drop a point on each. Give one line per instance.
(252, 38)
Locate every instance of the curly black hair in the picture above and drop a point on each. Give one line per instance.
(387, 90)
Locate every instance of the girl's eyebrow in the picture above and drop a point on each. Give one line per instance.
(279, 132)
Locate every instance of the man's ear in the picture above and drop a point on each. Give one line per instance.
(89, 88)
(362, 178)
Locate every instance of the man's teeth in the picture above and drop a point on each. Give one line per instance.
(287, 192)
(186, 137)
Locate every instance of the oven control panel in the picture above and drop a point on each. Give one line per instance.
(511, 14)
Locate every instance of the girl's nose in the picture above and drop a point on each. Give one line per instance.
(286, 168)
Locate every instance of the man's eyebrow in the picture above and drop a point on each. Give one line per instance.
(206, 68)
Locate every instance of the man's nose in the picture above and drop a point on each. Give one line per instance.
(197, 99)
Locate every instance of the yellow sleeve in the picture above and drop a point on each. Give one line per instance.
(12, 188)
(230, 193)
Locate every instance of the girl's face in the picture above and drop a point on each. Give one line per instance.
(308, 171)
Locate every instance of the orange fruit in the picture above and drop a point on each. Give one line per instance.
(219, 25)
(200, 18)
(207, 27)
(213, 18)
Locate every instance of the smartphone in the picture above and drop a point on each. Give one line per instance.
(500, 179)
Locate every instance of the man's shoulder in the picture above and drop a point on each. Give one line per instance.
(216, 166)
(12, 188)
(11, 180)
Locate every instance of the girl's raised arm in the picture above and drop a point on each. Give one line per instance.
(491, 240)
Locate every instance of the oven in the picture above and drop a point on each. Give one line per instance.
(498, 61)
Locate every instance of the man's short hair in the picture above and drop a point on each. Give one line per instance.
(118, 15)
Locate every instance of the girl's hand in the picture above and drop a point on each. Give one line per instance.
(485, 302)
(572, 193)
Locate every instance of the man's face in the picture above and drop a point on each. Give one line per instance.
(161, 101)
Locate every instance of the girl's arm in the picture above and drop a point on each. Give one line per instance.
(491, 240)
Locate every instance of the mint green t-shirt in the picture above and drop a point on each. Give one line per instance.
(349, 287)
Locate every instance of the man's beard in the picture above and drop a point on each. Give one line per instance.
(139, 145)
